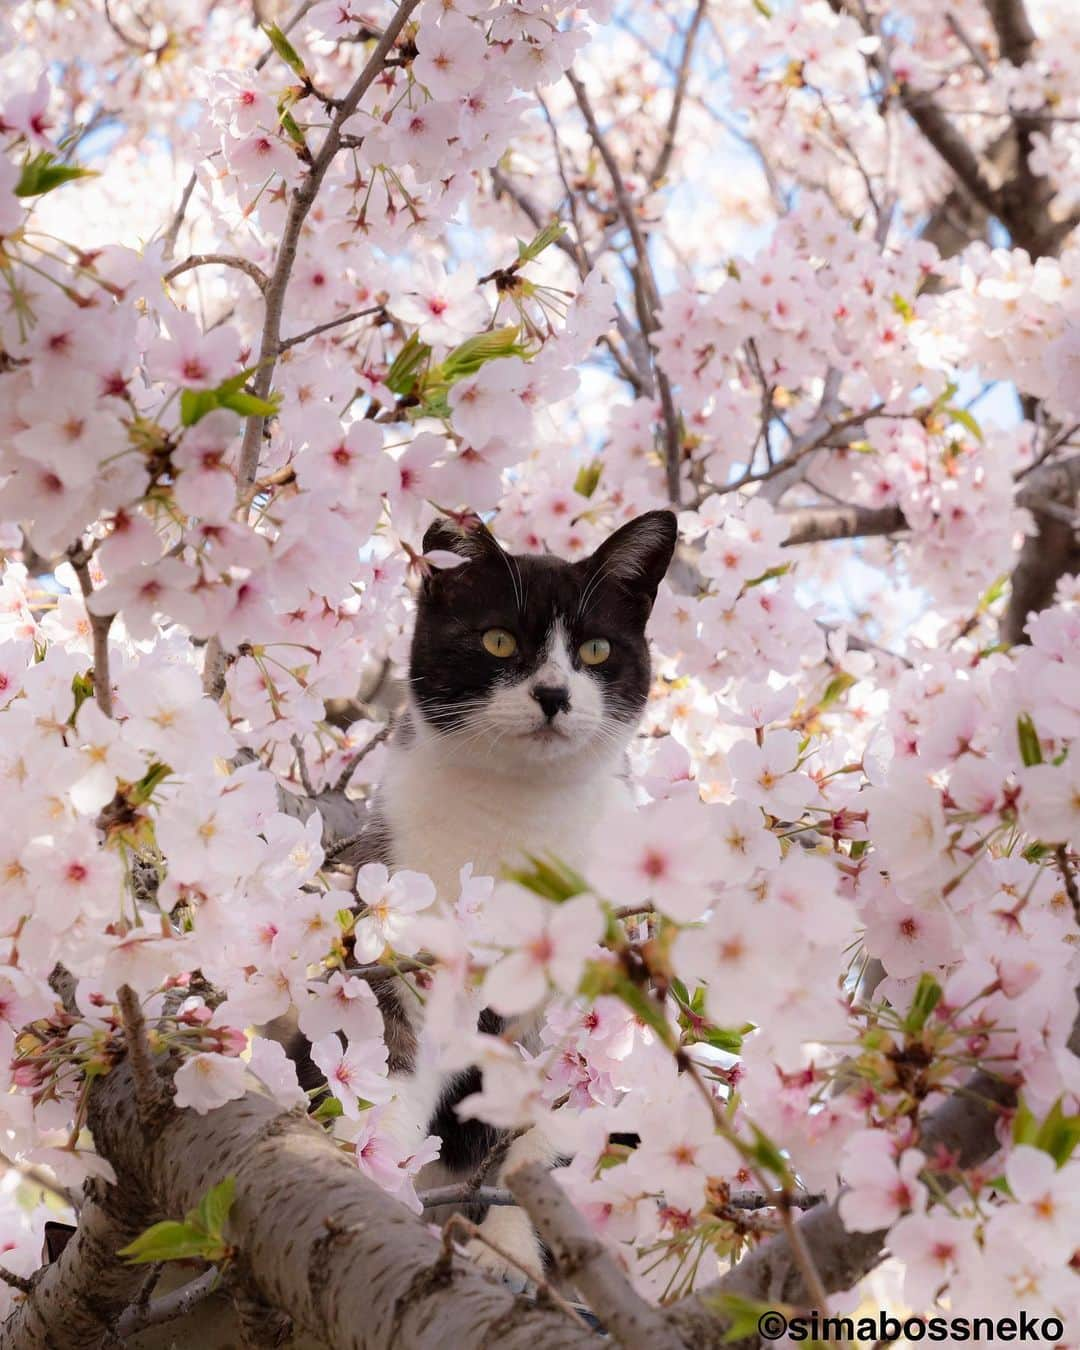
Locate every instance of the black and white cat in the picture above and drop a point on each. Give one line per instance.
(527, 678)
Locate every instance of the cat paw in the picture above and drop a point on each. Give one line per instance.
(497, 1267)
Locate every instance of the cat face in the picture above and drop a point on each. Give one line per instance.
(529, 660)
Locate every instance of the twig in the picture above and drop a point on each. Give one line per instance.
(168, 1306)
(465, 1193)
(286, 343)
(632, 911)
(762, 1200)
(37, 1177)
(168, 239)
(969, 44)
(640, 374)
(458, 1223)
(302, 765)
(99, 630)
(1069, 877)
(245, 265)
(362, 754)
(19, 1282)
(663, 159)
(803, 1258)
(150, 1093)
(645, 287)
(584, 1261)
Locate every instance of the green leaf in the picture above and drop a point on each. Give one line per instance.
(285, 49)
(1058, 1134)
(248, 405)
(548, 877)
(143, 790)
(1030, 749)
(82, 686)
(215, 1205)
(769, 575)
(766, 1153)
(840, 683)
(902, 307)
(43, 172)
(726, 1039)
(291, 128)
(328, 1109)
(928, 994)
(172, 1241)
(588, 478)
(540, 241)
(475, 352)
(992, 593)
(742, 1315)
(965, 419)
(1025, 1128)
(231, 394)
(195, 404)
(401, 377)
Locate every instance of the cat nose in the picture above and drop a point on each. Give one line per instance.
(553, 699)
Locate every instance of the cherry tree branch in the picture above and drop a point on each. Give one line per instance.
(964, 1128)
(659, 169)
(245, 265)
(99, 630)
(168, 1307)
(300, 204)
(339, 322)
(1016, 37)
(816, 524)
(648, 296)
(585, 1262)
(358, 1270)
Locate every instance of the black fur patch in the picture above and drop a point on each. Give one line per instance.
(609, 595)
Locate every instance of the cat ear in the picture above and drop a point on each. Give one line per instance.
(466, 535)
(638, 554)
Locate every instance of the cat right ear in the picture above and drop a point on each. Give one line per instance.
(465, 536)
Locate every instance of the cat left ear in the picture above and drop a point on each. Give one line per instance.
(639, 553)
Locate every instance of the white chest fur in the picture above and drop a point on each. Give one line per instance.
(444, 814)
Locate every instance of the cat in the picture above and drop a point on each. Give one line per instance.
(528, 675)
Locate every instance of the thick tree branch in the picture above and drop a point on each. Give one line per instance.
(348, 1262)
(815, 524)
(964, 1128)
(1049, 554)
(75, 1302)
(1016, 37)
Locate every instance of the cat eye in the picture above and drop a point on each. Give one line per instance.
(595, 651)
(499, 642)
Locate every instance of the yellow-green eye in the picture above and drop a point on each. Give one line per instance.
(595, 652)
(499, 642)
